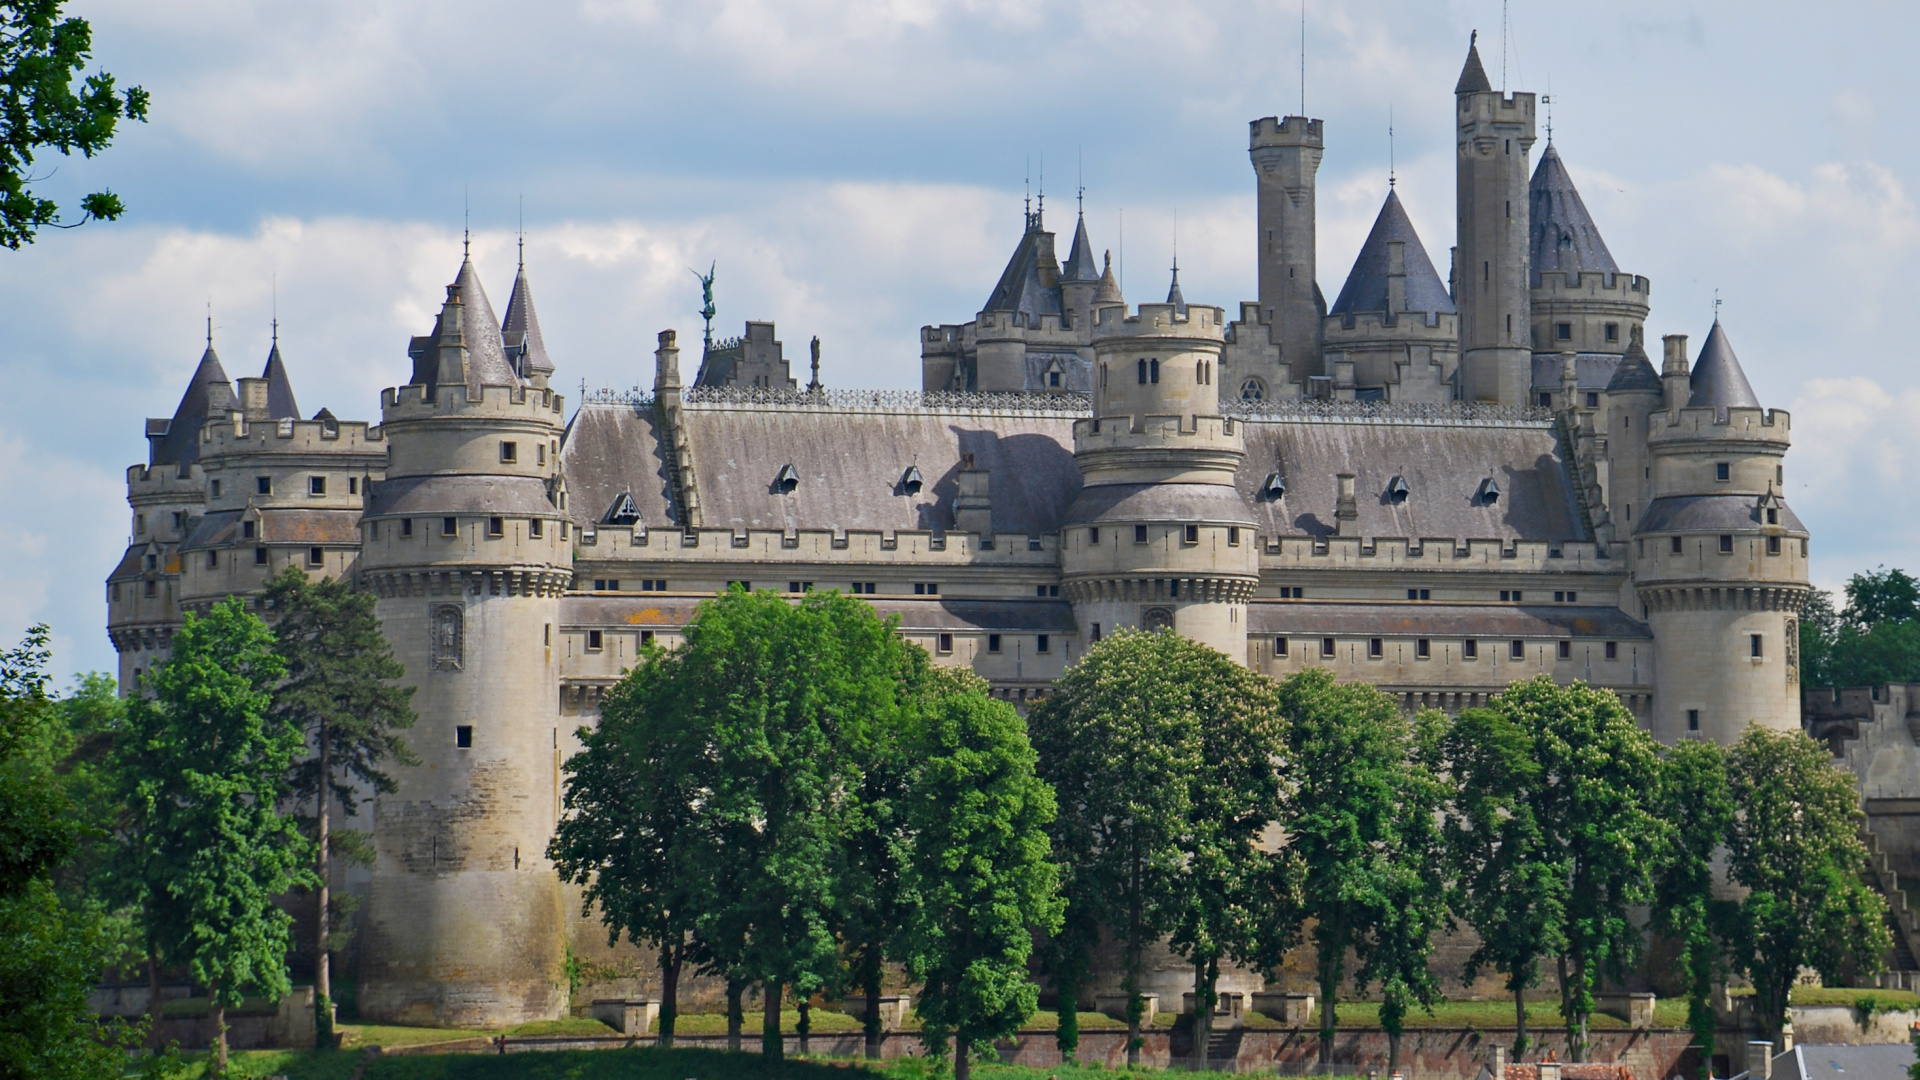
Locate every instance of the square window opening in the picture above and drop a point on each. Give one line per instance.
(316, 485)
(993, 643)
(1566, 650)
(259, 556)
(406, 526)
(1674, 545)
(316, 556)
(263, 485)
(596, 640)
(1722, 470)
(646, 637)
(1563, 331)
(1139, 534)
(1516, 650)
(1233, 536)
(1423, 649)
(1279, 646)
(246, 530)
(1043, 643)
(1469, 650)
(1773, 545)
(449, 526)
(509, 453)
(1726, 543)
(1613, 650)
(463, 736)
(1093, 537)
(1326, 647)
(1546, 399)
(496, 526)
(1192, 534)
(946, 643)
(536, 528)
(1374, 648)
(1593, 400)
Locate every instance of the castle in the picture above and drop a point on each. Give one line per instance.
(1434, 486)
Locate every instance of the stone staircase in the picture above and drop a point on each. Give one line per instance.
(1902, 920)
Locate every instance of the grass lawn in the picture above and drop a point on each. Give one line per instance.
(1830, 995)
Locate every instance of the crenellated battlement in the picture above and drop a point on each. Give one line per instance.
(164, 481)
(1286, 131)
(1705, 424)
(1492, 106)
(1592, 285)
(238, 435)
(1424, 326)
(419, 402)
(1437, 553)
(1202, 322)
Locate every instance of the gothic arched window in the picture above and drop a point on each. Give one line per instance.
(1252, 390)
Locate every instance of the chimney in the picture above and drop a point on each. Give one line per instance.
(253, 400)
(1549, 1070)
(666, 365)
(1497, 1063)
(1569, 380)
(972, 511)
(1759, 1059)
(1674, 375)
(1347, 510)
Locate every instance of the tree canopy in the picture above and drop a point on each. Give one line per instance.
(1874, 640)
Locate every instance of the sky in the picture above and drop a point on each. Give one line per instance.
(854, 169)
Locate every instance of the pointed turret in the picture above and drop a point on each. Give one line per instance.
(465, 345)
(1178, 301)
(1030, 285)
(1380, 272)
(1635, 373)
(520, 333)
(1717, 380)
(1080, 265)
(1473, 77)
(1109, 292)
(209, 393)
(1564, 235)
(280, 403)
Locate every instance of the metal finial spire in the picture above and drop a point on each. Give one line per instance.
(1390, 177)
(1041, 209)
(466, 224)
(1547, 100)
(1303, 57)
(210, 320)
(1080, 181)
(276, 308)
(1026, 203)
(1716, 309)
(523, 232)
(707, 310)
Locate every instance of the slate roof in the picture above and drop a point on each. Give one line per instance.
(1174, 296)
(177, 441)
(1109, 291)
(1366, 287)
(1593, 371)
(1564, 235)
(656, 612)
(1635, 372)
(436, 496)
(339, 527)
(1080, 265)
(1717, 379)
(280, 403)
(1309, 618)
(1473, 77)
(1030, 285)
(520, 331)
(1837, 1061)
(487, 363)
(1710, 513)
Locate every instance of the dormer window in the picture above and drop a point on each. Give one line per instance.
(911, 481)
(1053, 381)
(1397, 490)
(1488, 492)
(786, 479)
(1275, 486)
(246, 530)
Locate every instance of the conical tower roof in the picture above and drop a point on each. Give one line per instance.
(1080, 265)
(1366, 287)
(1109, 291)
(1717, 379)
(1635, 371)
(280, 403)
(1473, 77)
(1178, 301)
(209, 392)
(520, 333)
(466, 321)
(1030, 285)
(1564, 235)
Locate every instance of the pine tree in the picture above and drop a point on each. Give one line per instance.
(340, 693)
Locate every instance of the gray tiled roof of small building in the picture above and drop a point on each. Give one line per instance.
(1366, 287)
(1473, 77)
(207, 392)
(280, 403)
(1717, 380)
(1080, 265)
(1564, 235)
(521, 328)
(1030, 285)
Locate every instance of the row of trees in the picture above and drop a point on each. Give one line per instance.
(1873, 639)
(183, 815)
(794, 798)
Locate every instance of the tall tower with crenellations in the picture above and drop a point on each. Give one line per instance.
(1286, 154)
(466, 545)
(1720, 567)
(1495, 134)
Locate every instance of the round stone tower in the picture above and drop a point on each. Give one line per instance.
(1159, 536)
(466, 546)
(1720, 562)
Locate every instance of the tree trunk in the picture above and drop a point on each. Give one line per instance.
(153, 995)
(962, 1064)
(1393, 1053)
(875, 1031)
(1576, 994)
(1135, 1004)
(804, 1028)
(670, 961)
(1519, 1023)
(773, 1045)
(1204, 975)
(736, 1016)
(219, 1035)
(1332, 956)
(322, 967)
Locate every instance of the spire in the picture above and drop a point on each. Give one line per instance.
(209, 393)
(1080, 265)
(1564, 235)
(1636, 370)
(280, 403)
(1473, 77)
(1717, 380)
(1109, 291)
(1367, 287)
(1178, 301)
(1030, 285)
(465, 345)
(520, 332)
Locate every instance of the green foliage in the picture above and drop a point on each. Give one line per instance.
(1696, 805)
(1360, 823)
(1882, 595)
(1874, 641)
(1795, 845)
(40, 53)
(207, 766)
(978, 879)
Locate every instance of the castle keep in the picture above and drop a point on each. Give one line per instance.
(1436, 486)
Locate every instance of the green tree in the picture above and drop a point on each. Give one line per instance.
(1355, 824)
(341, 694)
(1695, 803)
(978, 877)
(1119, 742)
(1415, 886)
(40, 52)
(633, 797)
(1875, 640)
(1819, 629)
(1795, 846)
(210, 767)
(50, 952)
(1882, 596)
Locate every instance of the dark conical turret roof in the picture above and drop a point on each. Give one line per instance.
(1717, 379)
(1030, 285)
(1080, 265)
(1366, 287)
(520, 332)
(177, 441)
(478, 330)
(280, 403)
(1109, 291)
(1635, 371)
(1564, 235)
(1473, 77)
(1178, 301)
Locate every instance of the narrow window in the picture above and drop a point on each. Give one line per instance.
(1753, 646)
(150, 588)
(946, 643)
(1726, 543)
(1193, 534)
(496, 526)
(1613, 331)
(1516, 649)
(1233, 536)
(246, 530)
(263, 485)
(596, 640)
(140, 524)
(1093, 536)
(1486, 271)
(406, 526)
(216, 488)
(1200, 372)
(540, 454)
(463, 736)
(1773, 516)
(535, 528)
(1693, 719)
(1546, 400)
(1139, 534)
(1053, 379)
(1326, 648)
(316, 556)
(213, 560)
(259, 556)
(1043, 643)
(449, 526)
(1674, 545)
(316, 485)
(1566, 650)
(1373, 648)
(1773, 545)
(509, 453)
(1593, 400)
(1153, 372)
(546, 634)
(1469, 650)
(1279, 646)
(1142, 365)
(1563, 331)
(1096, 634)
(1423, 649)
(1613, 650)
(353, 485)
(646, 637)
(993, 642)
(1722, 470)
